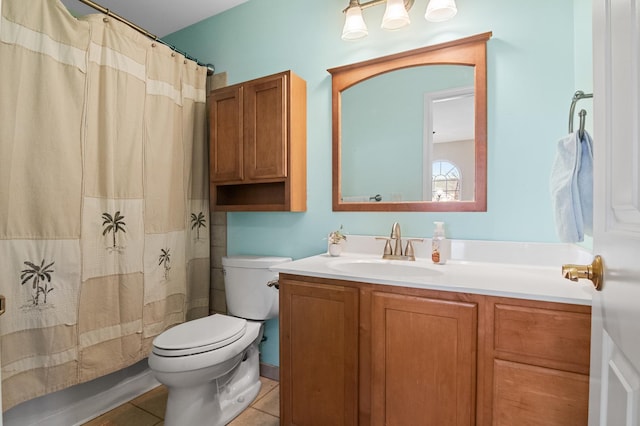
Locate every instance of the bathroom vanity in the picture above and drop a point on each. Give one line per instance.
(370, 342)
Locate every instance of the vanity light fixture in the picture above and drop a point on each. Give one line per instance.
(395, 15)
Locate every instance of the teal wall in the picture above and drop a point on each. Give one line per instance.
(534, 66)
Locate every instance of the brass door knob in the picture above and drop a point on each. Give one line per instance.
(593, 272)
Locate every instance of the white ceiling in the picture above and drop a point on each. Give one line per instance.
(454, 119)
(159, 17)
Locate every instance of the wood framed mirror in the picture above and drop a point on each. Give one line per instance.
(410, 130)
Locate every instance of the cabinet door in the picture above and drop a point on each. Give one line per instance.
(318, 354)
(537, 396)
(423, 361)
(225, 134)
(537, 365)
(265, 127)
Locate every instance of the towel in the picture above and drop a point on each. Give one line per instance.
(572, 187)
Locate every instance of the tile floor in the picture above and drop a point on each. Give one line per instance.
(148, 409)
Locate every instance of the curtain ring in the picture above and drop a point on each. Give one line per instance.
(105, 20)
(153, 45)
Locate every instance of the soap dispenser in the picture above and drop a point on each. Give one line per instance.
(440, 245)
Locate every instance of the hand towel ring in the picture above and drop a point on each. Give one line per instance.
(576, 97)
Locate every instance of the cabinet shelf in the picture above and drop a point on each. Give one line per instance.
(268, 196)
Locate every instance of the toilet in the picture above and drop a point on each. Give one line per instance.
(211, 365)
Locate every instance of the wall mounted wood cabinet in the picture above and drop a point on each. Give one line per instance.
(366, 354)
(257, 145)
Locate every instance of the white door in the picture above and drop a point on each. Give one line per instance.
(615, 350)
(1, 295)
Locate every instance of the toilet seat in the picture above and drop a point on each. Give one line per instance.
(198, 336)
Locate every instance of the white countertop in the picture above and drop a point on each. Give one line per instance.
(520, 270)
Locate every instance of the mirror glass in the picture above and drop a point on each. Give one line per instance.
(416, 123)
(409, 130)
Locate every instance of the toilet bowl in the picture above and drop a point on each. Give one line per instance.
(211, 365)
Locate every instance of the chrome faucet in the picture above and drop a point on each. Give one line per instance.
(396, 252)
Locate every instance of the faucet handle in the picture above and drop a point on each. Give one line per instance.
(387, 246)
(409, 252)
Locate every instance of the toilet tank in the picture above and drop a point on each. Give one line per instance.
(245, 281)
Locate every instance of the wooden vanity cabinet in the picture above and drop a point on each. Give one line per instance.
(257, 144)
(319, 347)
(353, 355)
(538, 363)
(423, 361)
(364, 354)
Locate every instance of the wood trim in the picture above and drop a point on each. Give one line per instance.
(297, 140)
(482, 37)
(364, 339)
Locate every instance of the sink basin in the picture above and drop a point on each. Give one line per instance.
(383, 268)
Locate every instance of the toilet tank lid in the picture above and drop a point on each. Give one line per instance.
(257, 262)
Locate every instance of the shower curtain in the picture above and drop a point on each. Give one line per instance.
(104, 216)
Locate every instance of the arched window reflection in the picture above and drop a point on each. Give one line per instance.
(445, 182)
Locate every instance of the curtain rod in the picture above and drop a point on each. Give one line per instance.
(210, 67)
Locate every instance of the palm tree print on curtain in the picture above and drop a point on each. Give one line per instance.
(40, 277)
(113, 224)
(165, 260)
(198, 222)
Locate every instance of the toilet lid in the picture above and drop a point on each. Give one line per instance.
(201, 335)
